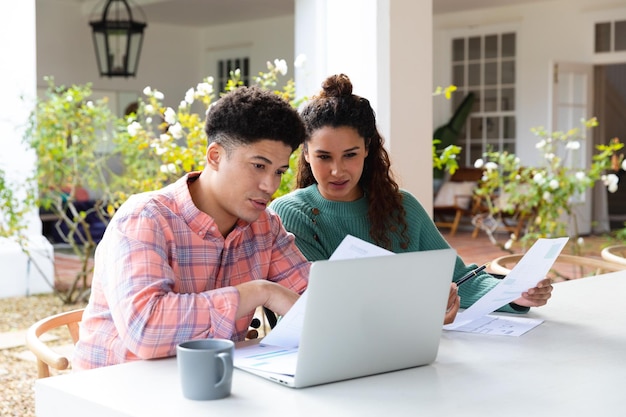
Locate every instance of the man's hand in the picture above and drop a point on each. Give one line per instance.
(264, 293)
(536, 296)
(454, 302)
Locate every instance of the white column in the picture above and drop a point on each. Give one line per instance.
(18, 76)
(385, 47)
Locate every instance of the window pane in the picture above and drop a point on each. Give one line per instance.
(603, 37)
(473, 74)
(508, 147)
(508, 127)
(491, 46)
(508, 99)
(458, 49)
(491, 73)
(508, 72)
(491, 100)
(508, 45)
(493, 127)
(474, 48)
(476, 128)
(620, 36)
(578, 87)
(458, 76)
(476, 151)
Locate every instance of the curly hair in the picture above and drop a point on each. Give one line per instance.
(335, 106)
(250, 114)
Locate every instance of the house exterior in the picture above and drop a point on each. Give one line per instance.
(395, 51)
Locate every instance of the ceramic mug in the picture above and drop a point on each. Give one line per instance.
(205, 367)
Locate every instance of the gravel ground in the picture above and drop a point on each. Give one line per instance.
(17, 376)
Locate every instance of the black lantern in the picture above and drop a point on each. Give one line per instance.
(117, 39)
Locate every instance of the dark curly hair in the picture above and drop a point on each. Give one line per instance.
(336, 106)
(250, 114)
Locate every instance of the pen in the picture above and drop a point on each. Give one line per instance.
(471, 274)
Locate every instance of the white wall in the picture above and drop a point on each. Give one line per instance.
(548, 32)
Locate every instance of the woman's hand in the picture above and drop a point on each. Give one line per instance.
(454, 302)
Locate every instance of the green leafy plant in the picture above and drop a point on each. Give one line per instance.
(545, 195)
(66, 130)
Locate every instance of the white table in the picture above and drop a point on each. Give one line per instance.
(574, 364)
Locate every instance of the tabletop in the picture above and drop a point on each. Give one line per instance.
(572, 364)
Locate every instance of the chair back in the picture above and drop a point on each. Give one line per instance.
(47, 357)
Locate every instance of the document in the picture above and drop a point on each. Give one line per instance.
(286, 333)
(531, 269)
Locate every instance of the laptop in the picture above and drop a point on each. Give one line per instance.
(358, 317)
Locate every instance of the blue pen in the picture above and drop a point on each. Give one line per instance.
(471, 274)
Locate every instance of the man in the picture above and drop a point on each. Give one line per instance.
(194, 259)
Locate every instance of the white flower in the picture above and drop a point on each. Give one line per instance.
(508, 244)
(581, 176)
(624, 165)
(281, 66)
(479, 163)
(547, 196)
(554, 184)
(580, 241)
(573, 145)
(189, 96)
(300, 61)
(147, 91)
(183, 105)
(168, 169)
(164, 137)
(204, 89)
(90, 104)
(149, 109)
(133, 128)
(610, 179)
(176, 130)
(69, 98)
(158, 95)
(540, 144)
(612, 187)
(549, 156)
(491, 166)
(538, 178)
(169, 116)
(148, 120)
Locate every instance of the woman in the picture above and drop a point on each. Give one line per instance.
(345, 186)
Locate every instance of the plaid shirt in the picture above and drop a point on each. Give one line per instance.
(164, 274)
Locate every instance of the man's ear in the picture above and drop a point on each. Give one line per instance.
(214, 154)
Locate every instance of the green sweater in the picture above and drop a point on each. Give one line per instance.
(319, 226)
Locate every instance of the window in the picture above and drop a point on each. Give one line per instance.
(610, 36)
(225, 66)
(485, 65)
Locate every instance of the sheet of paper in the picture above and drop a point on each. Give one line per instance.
(267, 358)
(287, 331)
(352, 247)
(499, 325)
(531, 269)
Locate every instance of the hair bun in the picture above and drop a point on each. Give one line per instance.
(337, 86)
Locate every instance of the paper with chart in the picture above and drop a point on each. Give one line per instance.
(531, 269)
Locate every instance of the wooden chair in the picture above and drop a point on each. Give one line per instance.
(615, 253)
(455, 198)
(47, 357)
(565, 267)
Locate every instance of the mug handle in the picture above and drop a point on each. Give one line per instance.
(228, 369)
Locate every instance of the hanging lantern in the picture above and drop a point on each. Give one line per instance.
(117, 39)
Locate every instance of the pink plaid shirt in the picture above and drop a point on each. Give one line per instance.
(164, 274)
